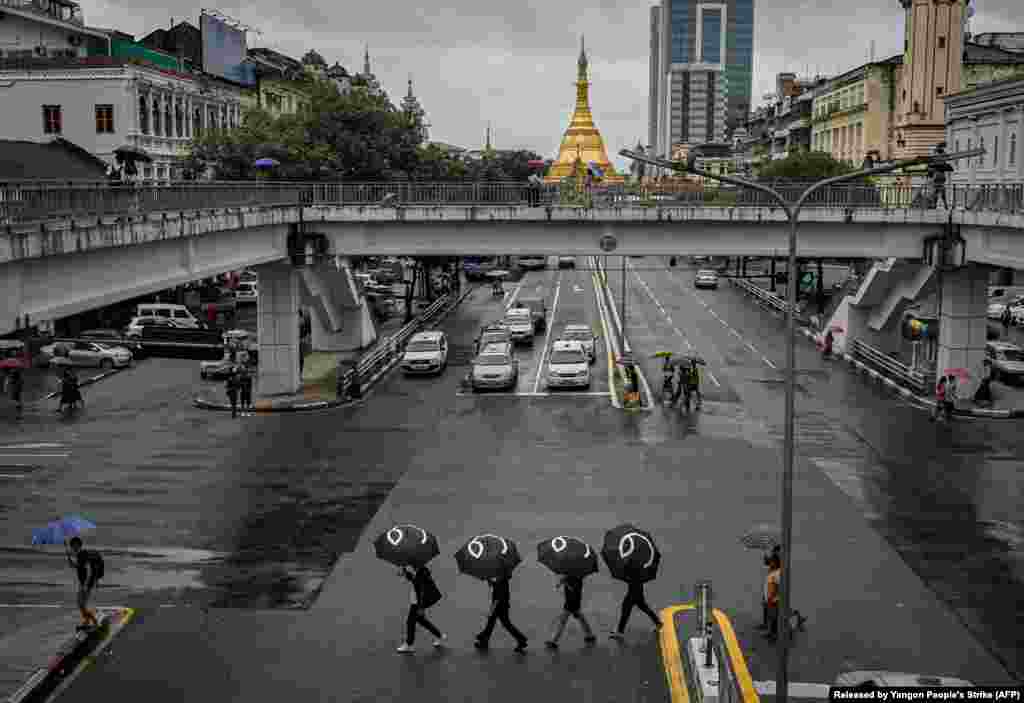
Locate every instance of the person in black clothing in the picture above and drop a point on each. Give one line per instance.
(232, 390)
(501, 600)
(634, 597)
(86, 563)
(16, 384)
(245, 388)
(938, 173)
(573, 588)
(424, 590)
(70, 395)
(1005, 319)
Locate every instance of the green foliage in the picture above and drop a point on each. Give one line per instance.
(804, 165)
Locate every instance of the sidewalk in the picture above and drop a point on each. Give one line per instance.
(43, 649)
(1007, 401)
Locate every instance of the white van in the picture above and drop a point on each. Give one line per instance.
(178, 313)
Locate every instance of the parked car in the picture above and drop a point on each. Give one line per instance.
(533, 262)
(706, 278)
(495, 367)
(247, 292)
(997, 306)
(520, 323)
(568, 366)
(169, 311)
(567, 262)
(582, 334)
(1007, 361)
(1017, 313)
(426, 352)
(493, 334)
(87, 354)
(134, 328)
(112, 337)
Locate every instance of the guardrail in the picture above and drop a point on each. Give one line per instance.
(889, 367)
(136, 341)
(387, 350)
(29, 201)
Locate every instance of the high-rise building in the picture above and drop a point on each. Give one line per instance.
(701, 70)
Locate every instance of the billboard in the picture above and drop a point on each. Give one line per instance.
(224, 51)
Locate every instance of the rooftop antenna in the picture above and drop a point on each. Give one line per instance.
(872, 51)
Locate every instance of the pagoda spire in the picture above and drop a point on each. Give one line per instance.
(366, 61)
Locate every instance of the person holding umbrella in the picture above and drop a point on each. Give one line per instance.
(572, 559)
(632, 556)
(88, 563)
(492, 559)
(410, 548)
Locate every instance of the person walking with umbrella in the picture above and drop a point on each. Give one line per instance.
(16, 384)
(573, 560)
(493, 558)
(88, 564)
(632, 556)
(232, 387)
(245, 387)
(410, 548)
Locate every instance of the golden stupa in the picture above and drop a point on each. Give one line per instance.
(582, 143)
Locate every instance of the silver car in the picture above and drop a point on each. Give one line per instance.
(1007, 361)
(496, 367)
(520, 323)
(87, 354)
(583, 335)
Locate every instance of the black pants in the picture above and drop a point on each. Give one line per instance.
(634, 598)
(500, 614)
(233, 397)
(246, 397)
(417, 616)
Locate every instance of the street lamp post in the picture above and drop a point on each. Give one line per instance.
(792, 211)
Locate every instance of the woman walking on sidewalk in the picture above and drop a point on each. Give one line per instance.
(501, 602)
(573, 589)
(425, 594)
(634, 597)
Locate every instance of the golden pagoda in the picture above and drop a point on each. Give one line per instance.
(582, 143)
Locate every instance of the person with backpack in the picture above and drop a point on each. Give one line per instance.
(425, 594)
(89, 565)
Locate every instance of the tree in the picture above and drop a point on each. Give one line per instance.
(804, 166)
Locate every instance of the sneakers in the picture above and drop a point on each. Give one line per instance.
(481, 645)
(590, 639)
(439, 642)
(405, 649)
(551, 644)
(521, 647)
(617, 636)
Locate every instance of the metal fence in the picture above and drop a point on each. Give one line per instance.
(32, 201)
(889, 367)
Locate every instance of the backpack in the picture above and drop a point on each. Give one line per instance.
(431, 594)
(95, 560)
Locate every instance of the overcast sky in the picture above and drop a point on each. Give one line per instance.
(514, 63)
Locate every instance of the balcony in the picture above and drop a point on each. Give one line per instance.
(54, 9)
(157, 146)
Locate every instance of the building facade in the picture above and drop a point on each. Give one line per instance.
(282, 86)
(783, 127)
(701, 70)
(990, 116)
(32, 29)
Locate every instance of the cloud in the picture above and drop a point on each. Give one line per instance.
(514, 64)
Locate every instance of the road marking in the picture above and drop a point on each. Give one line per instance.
(671, 657)
(36, 605)
(769, 362)
(547, 337)
(14, 476)
(595, 281)
(40, 445)
(36, 456)
(736, 334)
(713, 379)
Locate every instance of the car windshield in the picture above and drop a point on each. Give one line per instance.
(1012, 354)
(566, 356)
(583, 335)
(493, 360)
(422, 345)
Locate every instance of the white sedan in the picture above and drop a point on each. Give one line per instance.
(87, 354)
(134, 328)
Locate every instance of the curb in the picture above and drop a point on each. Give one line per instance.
(70, 660)
(88, 381)
(920, 399)
(264, 407)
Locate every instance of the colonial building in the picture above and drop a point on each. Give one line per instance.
(776, 130)
(282, 86)
(33, 29)
(989, 116)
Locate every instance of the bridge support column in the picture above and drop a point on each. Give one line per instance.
(278, 333)
(963, 323)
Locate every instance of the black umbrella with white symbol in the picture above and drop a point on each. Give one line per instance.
(488, 556)
(631, 554)
(568, 556)
(406, 545)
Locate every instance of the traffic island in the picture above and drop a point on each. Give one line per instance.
(51, 654)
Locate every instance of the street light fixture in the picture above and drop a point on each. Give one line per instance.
(792, 211)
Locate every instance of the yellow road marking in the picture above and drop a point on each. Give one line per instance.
(739, 664)
(607, 346)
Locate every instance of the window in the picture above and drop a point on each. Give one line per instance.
(143, 115)
(104, 119)
(1013, 149)
(981, 159)
(51, 119)
(995, 151)
(179, 119)
(942, 42)
(904, 96)
(156, 117)
(938, 90)
(197, 122)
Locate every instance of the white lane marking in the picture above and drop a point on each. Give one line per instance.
(752, 347)
(769, 362)
(36, 456)
(529, 394)
(713, 379)
(14, 476)
(736, 334)
(547, 337)
(34, 605)
(40, 445)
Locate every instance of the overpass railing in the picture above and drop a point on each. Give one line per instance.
(31, 201)
(891, 368)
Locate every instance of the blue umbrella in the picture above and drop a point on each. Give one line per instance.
(61, 530)
(266, 163)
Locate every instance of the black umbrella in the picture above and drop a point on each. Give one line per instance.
(631, 554)
(567, 556)
(133, 153)
(406, 545)
(488, 556)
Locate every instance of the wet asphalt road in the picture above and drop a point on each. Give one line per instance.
(949, 500)
(194, 507)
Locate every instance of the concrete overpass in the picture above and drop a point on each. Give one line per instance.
(108, 245)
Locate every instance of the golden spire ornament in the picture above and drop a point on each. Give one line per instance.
(582, 140)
